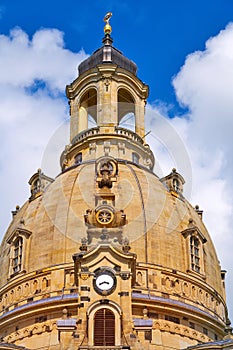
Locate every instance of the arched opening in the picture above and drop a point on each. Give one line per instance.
(176, 185)
(126, 110)
(104, 328)
(87, 110)
(91, 123)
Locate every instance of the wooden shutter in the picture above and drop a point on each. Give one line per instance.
(104, 328)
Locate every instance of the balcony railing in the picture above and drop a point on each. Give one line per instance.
(85, 134)
(129, 134)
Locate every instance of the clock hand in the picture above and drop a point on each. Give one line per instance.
(103, 283)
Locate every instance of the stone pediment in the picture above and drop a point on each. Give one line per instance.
(194, 230)
(104, 255)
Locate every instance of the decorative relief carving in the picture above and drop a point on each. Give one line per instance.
(185, 289)
(107, 235)
(125, 245)
(141, 278)
(106, 171)
(107, 80)
(153, 281)
(171, 327)
(69, 278)
(121, 147)
(92, 147)
(148, 162)
(43, 327)
(107, 147)
(105, 216)
(25, 291)
(84, 243)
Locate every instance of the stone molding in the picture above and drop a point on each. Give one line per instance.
(35, 285)
(170, 327)
(43, 327)
(179, 286)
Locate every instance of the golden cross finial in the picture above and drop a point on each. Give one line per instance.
(107, 17)
(107, 27)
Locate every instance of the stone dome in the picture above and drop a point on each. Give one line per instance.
(56, 222)
(107, 54)
(158, 223)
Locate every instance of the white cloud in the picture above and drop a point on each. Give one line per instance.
(43, 58)
(203, 136)
(32, 83)
(204, 85)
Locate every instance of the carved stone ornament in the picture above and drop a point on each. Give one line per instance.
(105, 216)
(125, 275)
(106, 169)
(83, 246)
(84, 276)
(125, 245)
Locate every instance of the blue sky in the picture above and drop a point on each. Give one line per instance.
(157, 35)
(184, 52)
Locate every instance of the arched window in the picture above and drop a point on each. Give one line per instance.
(17, 255)
(87, 114)
(176, 185)
(126, 110)
(36, 186)
(104, 328)
(78, 158)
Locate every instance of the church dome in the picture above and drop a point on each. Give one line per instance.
(108, 244)
(159, 220)
(107, 54)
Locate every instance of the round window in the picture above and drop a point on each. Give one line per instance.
(104, 216)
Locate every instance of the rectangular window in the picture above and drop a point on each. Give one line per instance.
(172, 319)
(192, 325)
(40, 319)
(195, 254)
(78, 158)
(17, 255)
(135, 158)
(205, 331)
(148, 335)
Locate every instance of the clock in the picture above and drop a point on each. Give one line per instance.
(104, 281)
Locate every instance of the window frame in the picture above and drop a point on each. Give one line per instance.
(135, 158)
(115, 309)
(17, 255)
(195, 259)
(22, 236)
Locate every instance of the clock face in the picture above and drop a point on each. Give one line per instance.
(104, 282)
